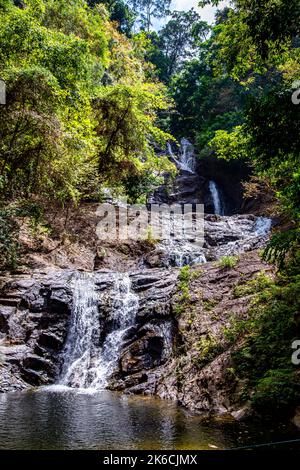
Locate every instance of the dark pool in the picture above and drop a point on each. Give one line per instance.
(66, 419)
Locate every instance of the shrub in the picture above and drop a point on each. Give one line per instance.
(208, 350)
(278, 390)
(260, 282)
(228, 262)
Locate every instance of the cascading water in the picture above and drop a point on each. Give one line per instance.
(263, 226)
(87, 364)
(80, 352)
(124, 308)
(182, 253)
(92, 350)
(186, 160)
(216, 197)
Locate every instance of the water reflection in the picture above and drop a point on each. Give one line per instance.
(67, 419)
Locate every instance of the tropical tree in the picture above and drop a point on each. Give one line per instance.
(176, 42)
(148, 10)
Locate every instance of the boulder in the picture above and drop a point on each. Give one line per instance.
(296, 418)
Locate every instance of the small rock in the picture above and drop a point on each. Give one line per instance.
(296, 419)
(241, 414)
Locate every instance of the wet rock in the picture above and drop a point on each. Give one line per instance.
(296, 418)
(144, 354)
(60, 300)
(10, 302)
(243, 413)
(51, 341)
(5, 314)
(37, 363)
(34, 330)
(34, 377)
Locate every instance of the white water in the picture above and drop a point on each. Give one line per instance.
(186, 160)
(215, 194)
(80, 352)
(182, 253)
(263, 226)
(87, 363)
(90, 362)
(124, 309)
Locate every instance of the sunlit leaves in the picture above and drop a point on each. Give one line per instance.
(71, 75)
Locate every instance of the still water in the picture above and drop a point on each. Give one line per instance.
(61, 418)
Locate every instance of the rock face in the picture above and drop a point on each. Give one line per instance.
(193, 187)
(34, 316)
(150, 342)
(162, 351)
(188, 188)
(229, 177)
(35, 313)
(223, 236)
(198, 375)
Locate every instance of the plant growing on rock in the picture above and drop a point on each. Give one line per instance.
(208, 349)
(228, 262)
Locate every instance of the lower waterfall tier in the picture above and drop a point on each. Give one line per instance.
(107, 329)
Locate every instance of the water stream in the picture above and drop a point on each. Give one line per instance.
(87, 362)
(77, 412)
(186, 159)
(216, 197)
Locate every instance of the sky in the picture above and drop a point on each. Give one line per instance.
(207, 13)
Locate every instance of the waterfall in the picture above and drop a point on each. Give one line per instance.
(124, 309)
(186, 160)
(87, 363)
(80, 351)
(216, 197)
(182, 253)
(263, 226)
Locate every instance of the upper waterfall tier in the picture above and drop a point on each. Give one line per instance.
(217, 198)
(185, 159)
(223, 236)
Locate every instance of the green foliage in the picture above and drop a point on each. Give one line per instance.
(205, 103)
(260, 282)
(228, 262)
(120, 12)
(278, 391)
(126, 129)
(61, 126)
(282, 247)
(9, 230)
(176, 42)
(149, 238)
(185, 277)
(263, 357)
(183, 298)
(257, 45)
(210, 304)
(208, 349)
(8, 239)
(255, 35)
(82, 108)
(231, 145)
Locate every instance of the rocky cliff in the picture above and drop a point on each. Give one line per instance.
(159, 333)
(176, 349)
